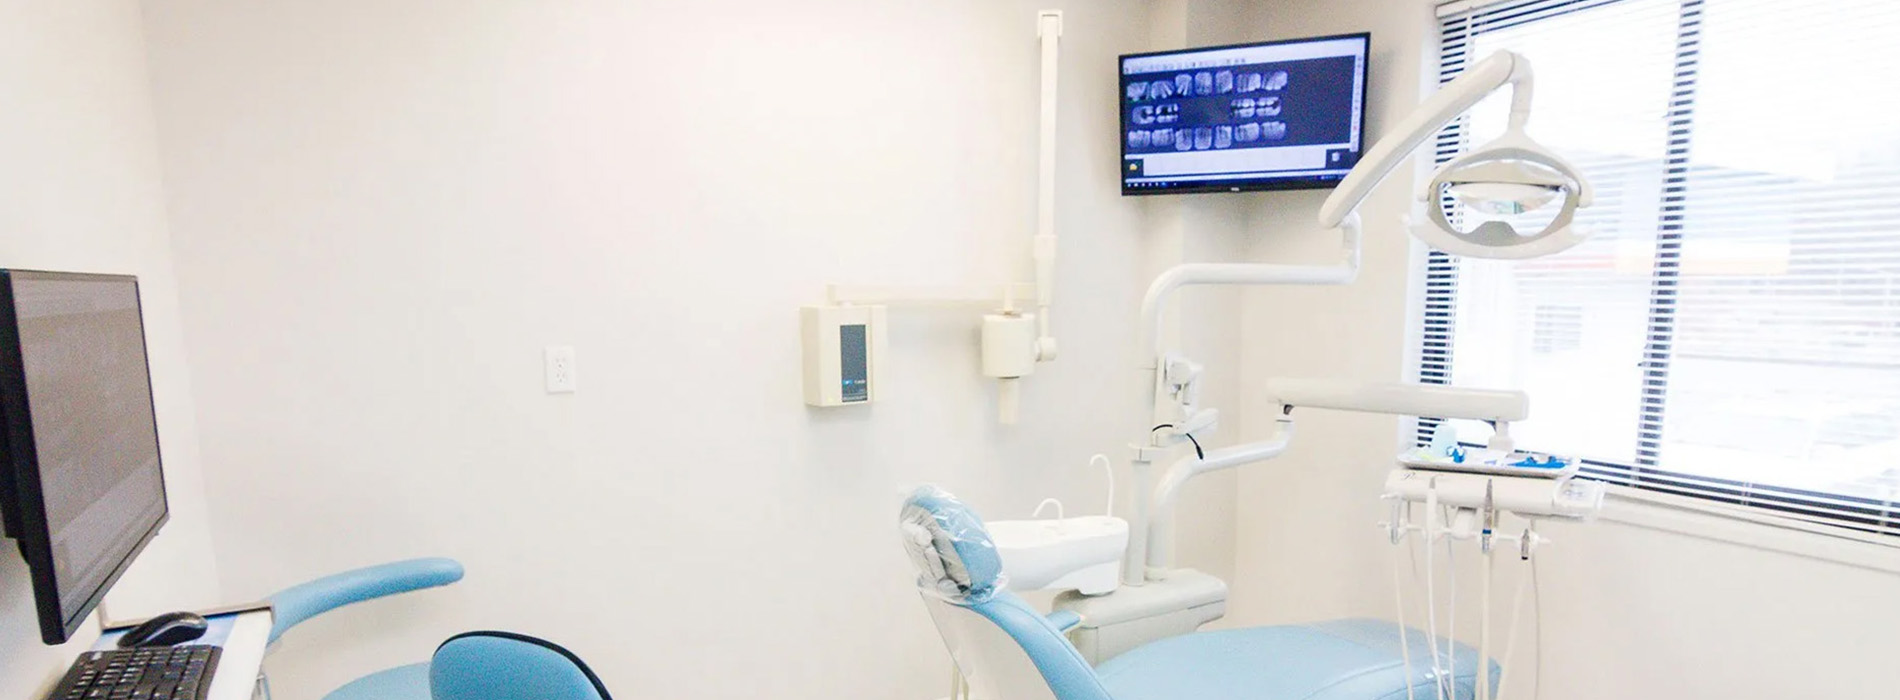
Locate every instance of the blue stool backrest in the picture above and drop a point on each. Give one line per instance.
(508, 666)
(961, 577)
(293, 605)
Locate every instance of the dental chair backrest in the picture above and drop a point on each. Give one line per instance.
(1002, 646)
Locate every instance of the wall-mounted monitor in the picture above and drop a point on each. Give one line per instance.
(81, 487)
(1273, 115)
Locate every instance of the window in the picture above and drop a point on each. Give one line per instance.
(1732, 329)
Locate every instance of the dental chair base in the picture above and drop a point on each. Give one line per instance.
(1136, 615)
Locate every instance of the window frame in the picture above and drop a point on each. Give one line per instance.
(1459, 23)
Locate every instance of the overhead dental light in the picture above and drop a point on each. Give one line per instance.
(1509, 176)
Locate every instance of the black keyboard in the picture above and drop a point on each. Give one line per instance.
(156, 673)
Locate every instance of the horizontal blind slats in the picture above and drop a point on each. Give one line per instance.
(1741, 292)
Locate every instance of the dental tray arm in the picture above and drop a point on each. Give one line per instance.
(1498, 407)
(293, 605)
(1399, 398)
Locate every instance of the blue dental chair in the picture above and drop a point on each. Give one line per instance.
(1005, 649)
(469, 666)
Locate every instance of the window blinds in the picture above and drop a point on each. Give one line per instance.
(1732, 329)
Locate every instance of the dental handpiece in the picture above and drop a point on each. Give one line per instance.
(1490, 517)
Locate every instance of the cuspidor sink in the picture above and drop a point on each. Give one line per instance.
(1082, 553)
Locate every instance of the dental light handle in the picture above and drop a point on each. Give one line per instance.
(1452, 99)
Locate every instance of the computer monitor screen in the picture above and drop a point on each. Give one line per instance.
(1278, 115)
(86, 488)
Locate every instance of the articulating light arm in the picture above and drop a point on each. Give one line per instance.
(1513, 172)
(1341, 212)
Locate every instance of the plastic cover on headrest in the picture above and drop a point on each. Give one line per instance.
(953, 553)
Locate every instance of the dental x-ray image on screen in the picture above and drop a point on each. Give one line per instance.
(1278, 115)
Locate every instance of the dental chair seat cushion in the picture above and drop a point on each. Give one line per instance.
(492, 665)
(1338, 660)
(400, 683)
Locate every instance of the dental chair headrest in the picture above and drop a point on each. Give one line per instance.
(953, 553)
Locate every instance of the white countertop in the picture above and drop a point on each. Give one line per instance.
(240, 656)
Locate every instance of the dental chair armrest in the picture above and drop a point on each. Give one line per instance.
(293, 605)
(1064, 620)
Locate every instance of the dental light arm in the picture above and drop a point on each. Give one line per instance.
(1507, 176)
(1512, 166)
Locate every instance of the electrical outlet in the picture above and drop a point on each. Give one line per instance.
(560, 369)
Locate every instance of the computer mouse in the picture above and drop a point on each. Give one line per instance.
(165, 630)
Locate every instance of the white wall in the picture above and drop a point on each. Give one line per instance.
(1628, 611)
(383, 210)
(79, 169)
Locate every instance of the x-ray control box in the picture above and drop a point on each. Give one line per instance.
(843, 347)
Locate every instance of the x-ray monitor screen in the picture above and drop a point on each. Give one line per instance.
(1279, 115)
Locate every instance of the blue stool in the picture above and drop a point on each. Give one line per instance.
(484, 666)
(469, 666)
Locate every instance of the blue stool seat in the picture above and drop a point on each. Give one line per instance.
(400, 683)
(494, 665)
(1336, 660)
(484, 666)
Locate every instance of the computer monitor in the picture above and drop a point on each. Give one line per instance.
(1274, 115)
(81, 486)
